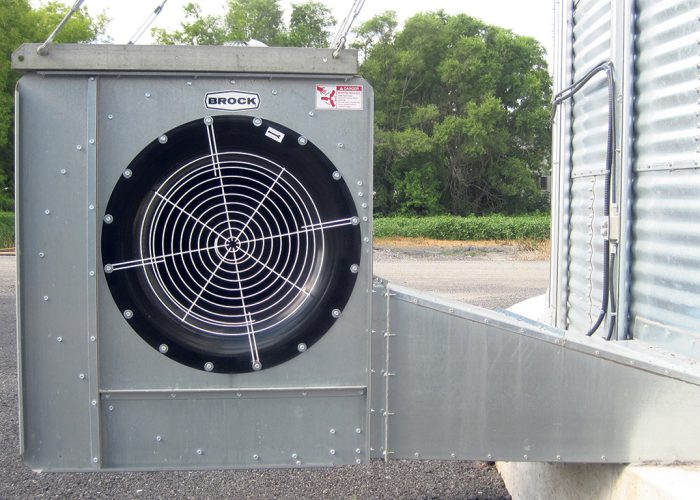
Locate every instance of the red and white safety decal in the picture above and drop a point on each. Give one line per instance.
(339, 97)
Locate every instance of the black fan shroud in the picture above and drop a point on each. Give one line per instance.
(231, 244)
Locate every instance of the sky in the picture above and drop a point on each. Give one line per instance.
(524, 17)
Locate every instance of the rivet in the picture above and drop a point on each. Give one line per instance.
(92, 338)
(257, 121)
(127, 173)
(332, 451)
(325, 59)
(558, 457)
(188, 83)
(208, 366)
(360, 194)
(311, 113)
(294, 456)
(603, 458)
(110, 408)
(91, 206)
(233, 82)
(148, 95)
(42, 255)
(358, 461)
(108, 219)
(46, 298)
(332, 431)
(298, 462)
(365, 218)
(366, 239)
(128, 314)
(354, 221)
(335, 313)
(416, 455)
(159, 438)
(452, 455)
(336, 175)
(47, 212)
(92, 273)
(256, 457)
(173, 395)
(163, 348)
(81, 376)
(524, 457)
(199, 451)
(364, 205)
(304, 393)
(95, 460)
(357, 451)
(163, 139)
(301, 347)
(93, 402)
(92, 141)
(274, 91)
(257, 366)
(489, 456)
(92, 78)
(63, 171)
(340, 145)
(302, 140)
(108, 268)
(79, 147)
(109, 117)
(59, 339)
(358, 431)
(354, 268)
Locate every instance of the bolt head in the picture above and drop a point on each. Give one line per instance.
(302, 140)
(93, 402)
(360, 194)
(127, 173)
(340, 145)
(42, 255)
(274, 91)
(110, 407)
(110, 117)
(358, 461)
(257, 121)
(47, 212)
(81, 376)
(148, 95)
(108, 268)
(59, 339)
(298, 462)
(163, 139)
(108, 219)
(256, 457)
(199, 451)
(336, 175)
(311, 113)
(163, 348)
(335, 313)
(91, 207)
(79, 147)
(92, 273)
(92, 141)
(354, 221)
(294, 456)
(63, 171)
(46, 298)
(358, 431)
(208, 120)
(358, 451)
(95, 460)
(128, 313)
(257, 366)
(301, 347)
(366, 239)
(208, 366)
(354, 268)
(189, 83)
(92, 338)
(416, 454)
(359, 183)
(159, 438)
(332, 451)
(332, 431)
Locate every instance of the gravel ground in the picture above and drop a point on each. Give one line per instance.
(398, 479)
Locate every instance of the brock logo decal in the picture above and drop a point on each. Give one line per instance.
(232, 100)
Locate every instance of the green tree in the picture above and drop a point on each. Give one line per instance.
(246, 20)
(309, 25)
(479, 95)
(20, 23)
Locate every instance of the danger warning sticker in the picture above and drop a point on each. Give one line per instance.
(339, 97)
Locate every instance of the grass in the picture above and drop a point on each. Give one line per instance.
(7, 229)
(447, 227)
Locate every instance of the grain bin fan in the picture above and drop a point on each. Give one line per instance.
(195, 288)
(194, 240)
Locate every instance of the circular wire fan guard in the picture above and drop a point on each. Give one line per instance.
(231, 244)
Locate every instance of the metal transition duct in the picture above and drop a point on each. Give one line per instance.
(195, 288)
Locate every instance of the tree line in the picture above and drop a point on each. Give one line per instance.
(461, 107)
